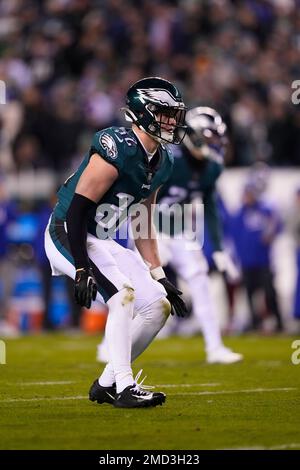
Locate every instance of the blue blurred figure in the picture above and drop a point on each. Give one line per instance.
(255, 227)
(295, 229)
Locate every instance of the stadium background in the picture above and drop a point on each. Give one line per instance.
(66, 66)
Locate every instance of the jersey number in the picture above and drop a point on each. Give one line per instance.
(110, 216)
(120, 133)
(176, 195)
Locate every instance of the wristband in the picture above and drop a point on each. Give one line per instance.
(157, 273)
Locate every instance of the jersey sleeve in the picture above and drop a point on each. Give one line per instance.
(104, 143)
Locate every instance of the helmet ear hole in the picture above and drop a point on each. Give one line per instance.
(152, 108)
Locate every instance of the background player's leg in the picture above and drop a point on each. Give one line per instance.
(190, 264)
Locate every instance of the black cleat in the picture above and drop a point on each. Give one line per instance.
(135, 397)
(160, 396)
(102, 394)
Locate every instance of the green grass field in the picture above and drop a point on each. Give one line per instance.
(255, 404)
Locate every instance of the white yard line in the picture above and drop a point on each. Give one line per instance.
(58, 382)
(187, 385)
(66, 382)
(220, 392)
(291, 445)
(16, 400)
(269, 363)
(225, 392)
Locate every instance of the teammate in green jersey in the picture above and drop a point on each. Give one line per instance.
(198, 164)
(123, 167)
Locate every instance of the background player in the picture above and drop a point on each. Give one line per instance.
(198, 164)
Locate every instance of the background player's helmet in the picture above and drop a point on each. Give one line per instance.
(206, 133)
(149, 99)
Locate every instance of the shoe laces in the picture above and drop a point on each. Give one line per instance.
(138, 387)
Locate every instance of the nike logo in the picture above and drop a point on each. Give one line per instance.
(110, 396)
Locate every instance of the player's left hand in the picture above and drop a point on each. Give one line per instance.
(224, 264)
(178, 306)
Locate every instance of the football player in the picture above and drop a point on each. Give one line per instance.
(123, 167)
(198, 164)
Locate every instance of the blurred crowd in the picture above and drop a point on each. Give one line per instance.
(66, 66)
(68, 63)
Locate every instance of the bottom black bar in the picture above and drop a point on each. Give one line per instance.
(133, 459)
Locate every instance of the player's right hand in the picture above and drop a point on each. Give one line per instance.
(85, 287)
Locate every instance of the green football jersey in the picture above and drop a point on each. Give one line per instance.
(191, 179)
(137, 180)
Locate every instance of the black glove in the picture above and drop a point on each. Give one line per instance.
(85, 287)
(177, 303)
